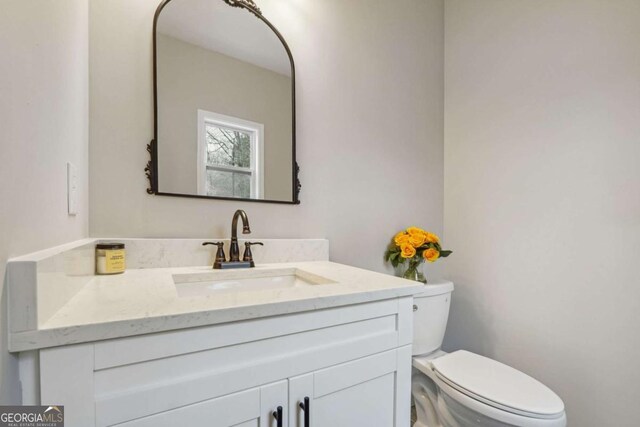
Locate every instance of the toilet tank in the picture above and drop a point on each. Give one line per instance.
(430, 315)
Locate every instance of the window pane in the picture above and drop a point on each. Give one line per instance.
(242, 185)
(228, 147)
(228, 184)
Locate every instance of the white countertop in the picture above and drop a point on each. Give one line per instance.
(142, 301)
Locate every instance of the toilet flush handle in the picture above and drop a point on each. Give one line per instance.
(415, 307)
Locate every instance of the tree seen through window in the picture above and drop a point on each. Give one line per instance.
(228, 162)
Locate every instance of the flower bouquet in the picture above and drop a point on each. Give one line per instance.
(415, 246)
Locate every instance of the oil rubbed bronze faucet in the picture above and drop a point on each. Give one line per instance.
(234, 250)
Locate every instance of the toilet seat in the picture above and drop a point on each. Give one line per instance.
(497, 385)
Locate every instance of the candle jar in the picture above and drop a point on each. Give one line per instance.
(110, 258)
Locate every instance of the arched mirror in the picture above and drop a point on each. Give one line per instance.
(224, 101)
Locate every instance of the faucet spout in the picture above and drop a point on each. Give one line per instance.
(234, 250)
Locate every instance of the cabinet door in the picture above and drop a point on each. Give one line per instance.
(364, 392)
(250, 408)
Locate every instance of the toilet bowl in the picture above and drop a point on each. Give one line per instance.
(461, 389)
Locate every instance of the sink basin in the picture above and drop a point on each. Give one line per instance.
(218, 282)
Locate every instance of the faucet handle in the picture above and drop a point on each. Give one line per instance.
(248, 256)
(220, 257)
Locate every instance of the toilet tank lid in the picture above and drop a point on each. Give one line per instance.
(497, 384)
(435, 288)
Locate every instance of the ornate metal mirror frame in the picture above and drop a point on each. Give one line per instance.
(151, 169)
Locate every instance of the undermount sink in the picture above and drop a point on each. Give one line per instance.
(212, 283)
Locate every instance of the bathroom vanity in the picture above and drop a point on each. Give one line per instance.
(297, 341)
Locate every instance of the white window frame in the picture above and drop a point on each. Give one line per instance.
(256, 133)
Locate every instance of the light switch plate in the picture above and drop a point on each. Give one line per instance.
(72, 189)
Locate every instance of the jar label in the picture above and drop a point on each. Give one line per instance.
(115, 262)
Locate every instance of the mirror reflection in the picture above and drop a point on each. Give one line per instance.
(224, 89)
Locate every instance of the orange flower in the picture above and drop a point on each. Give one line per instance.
(407, 250)
(417, 239)
(432, 238)
(415, 230)
(401, 238)
(431, 254)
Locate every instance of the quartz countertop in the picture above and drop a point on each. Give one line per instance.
(143, 301)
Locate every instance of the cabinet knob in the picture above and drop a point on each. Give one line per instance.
(277, 414)
(415, 307)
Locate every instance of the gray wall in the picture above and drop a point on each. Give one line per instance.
(192, 78)
(370, 136)
(542, 205)
(44, 124)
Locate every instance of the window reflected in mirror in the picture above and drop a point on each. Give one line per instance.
(231, 156)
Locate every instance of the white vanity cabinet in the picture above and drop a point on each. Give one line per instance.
(352, 364)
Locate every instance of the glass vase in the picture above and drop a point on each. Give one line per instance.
(413, 271)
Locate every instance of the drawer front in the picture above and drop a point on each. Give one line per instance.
(130, 350)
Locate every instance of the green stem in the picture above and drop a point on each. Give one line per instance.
(412, 272)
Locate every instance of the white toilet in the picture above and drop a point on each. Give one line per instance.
(463, 389)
